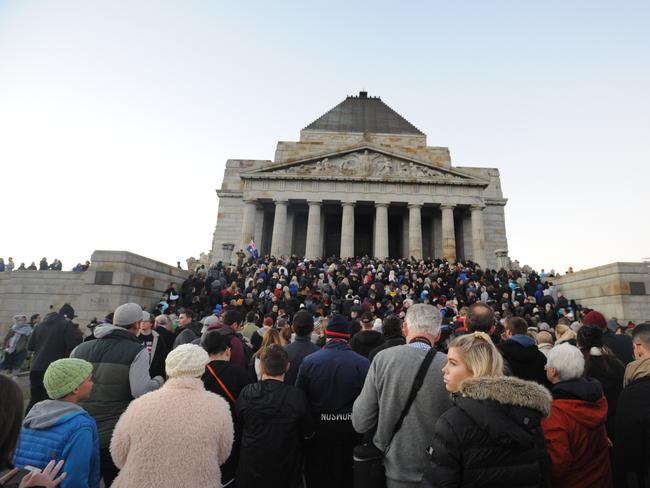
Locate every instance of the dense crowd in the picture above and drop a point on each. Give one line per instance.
(43, 265)
(290, 373)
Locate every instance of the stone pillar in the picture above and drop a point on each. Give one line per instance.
(448, 232)
(288, 240)
(415, 231)
(347, 230)
(259, 227)
(248, 224)
(313, 246)
(381, 230)
(478, 237)
(279, 228)
(503, 261)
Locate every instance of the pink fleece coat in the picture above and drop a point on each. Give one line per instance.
(177, 436)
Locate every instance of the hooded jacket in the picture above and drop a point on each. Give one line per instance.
(275, 420)
(575, 435)
(52, 339)
(523, 359)
(492, 436)
(17, 337)
(365, 341)
(54, 429)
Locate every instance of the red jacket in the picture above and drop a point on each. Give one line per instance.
(575, 434)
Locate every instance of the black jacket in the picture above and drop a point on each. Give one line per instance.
(389, 342)
(365, 341)
(525, 362)
(620, 345)
(54, 338)
(491, 437)
(275, 422)
(632, 447)
(297, 351)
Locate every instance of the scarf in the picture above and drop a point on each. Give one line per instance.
(636, 369)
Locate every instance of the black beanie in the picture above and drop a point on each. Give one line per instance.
(338, 326)
(68, 311)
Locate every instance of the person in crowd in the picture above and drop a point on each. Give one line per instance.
(163, 326)
(492, 436)
(15, 344)
(32, 266)
(392, 330)
(121, 373)
(54, 338)
(632, 446)
(35, 319)
(332, 379)
(480, 318)
(521, 356)
(250, 325)
(59, 428)
(564, 333)
(544, 342)
(276, 423)
(366, 339)
(385, 392)
(10, 264)
(620, 345)
(172, 296)
(42, 265)
(240, 353)
(154, 344)
(198, 427)
(301, 347)
(273, 336)
(189, 329)
(11, 417)
(258, 336)
(575, 432)
(226, 380)
(603, 365)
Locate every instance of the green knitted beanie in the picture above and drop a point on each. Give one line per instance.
(65, 375)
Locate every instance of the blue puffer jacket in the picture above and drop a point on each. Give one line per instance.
(55, 429)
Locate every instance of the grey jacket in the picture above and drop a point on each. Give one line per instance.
(382, 399)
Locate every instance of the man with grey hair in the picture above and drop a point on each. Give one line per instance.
(385, 393)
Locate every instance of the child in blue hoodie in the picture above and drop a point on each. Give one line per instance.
(60, 429)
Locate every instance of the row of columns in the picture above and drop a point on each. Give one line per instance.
(314, 230)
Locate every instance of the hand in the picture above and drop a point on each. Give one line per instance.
(46, 478)
(8, 476)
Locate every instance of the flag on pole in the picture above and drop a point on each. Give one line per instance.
(252, 249)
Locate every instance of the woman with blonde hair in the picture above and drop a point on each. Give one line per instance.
(273, 336)
(565, 334)
(492, 436)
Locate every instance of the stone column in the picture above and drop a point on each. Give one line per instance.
(381, 230)
(448, 232)
(478, 237)
(279, 228)
(248, 224)
(415, 231)
(313, 246)
(347, 230)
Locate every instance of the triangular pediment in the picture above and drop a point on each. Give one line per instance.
(368, 163)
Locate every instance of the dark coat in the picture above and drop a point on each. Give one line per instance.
(632, 447)
(576, 437)
(275, 423)
(54, 338)
(620, 345)
(491, 437)
(525, 362)
(365, 341)
(389, 342)
(298, 351)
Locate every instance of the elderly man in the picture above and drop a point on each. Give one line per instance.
(575, 433)
(632, 448)
(385, 392)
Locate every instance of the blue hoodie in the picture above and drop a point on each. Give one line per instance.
(55, 429)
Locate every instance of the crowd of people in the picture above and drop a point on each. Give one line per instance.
(55, 265)
(292, 373)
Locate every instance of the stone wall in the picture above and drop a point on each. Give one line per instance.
(620, 290)
(114, 277)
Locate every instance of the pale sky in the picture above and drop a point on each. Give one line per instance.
(117, 118)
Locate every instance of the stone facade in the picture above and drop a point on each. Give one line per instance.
(114, 277)
(361, 180)
(620, 290)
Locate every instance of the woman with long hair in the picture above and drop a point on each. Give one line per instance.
(492, 436)
(272, 336)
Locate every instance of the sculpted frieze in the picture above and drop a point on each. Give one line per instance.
(364, 164)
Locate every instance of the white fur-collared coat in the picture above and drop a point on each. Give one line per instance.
(176, 436)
